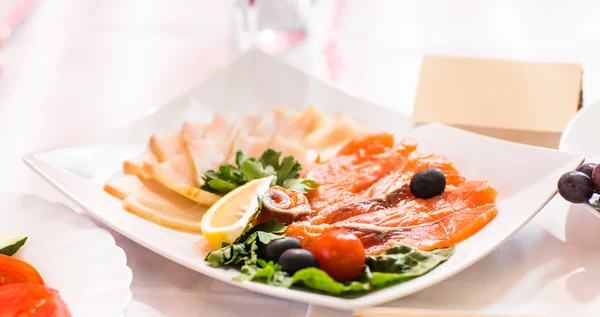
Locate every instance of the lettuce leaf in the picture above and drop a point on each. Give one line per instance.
(396, 265)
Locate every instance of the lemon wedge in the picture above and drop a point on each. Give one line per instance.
(226, 220)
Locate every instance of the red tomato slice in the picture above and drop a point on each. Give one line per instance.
(31, 300)
(14, 271)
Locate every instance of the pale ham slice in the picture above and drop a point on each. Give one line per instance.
(208, 155)
(158, 204)
(247, 124)
(330, 138)
(311, 120)
(167, 145)
(249, 145)
(221, 128)
(211, 148)
(123, 186)
(192, 131)
(278, 121)
(163, 185)
(136, 166)
(178, 175)
(303, 155)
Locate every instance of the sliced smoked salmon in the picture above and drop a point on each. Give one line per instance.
(365, 189)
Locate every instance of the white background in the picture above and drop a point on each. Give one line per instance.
(78, 68)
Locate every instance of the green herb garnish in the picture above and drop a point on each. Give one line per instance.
(244, 250)
(396, 265)
(228, 177)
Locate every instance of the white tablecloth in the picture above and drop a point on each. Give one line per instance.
(80, 68)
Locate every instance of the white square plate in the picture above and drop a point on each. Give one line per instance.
(525, 176)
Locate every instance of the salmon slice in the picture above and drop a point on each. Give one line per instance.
(365, 189)
(166, 145)
(178, 175)
(442, 233)
(347, 178)
(446, 231)
(414, 163)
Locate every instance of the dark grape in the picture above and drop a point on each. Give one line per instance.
(294, 260)
(428, 183)
(576, 187)
(596, 177)
(587, 169)
(275, 248)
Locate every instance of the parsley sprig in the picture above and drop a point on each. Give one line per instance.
(286, 171)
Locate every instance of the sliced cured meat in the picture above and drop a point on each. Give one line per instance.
(277, 121)
(331, 137)
(311, 120)
(290, 148)
(249, 145)
(136, 166)
(158, 204)
(166, 145)
(123, 186)
(178, 175)
(208, 154)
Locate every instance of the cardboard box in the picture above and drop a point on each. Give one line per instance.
(524, 102)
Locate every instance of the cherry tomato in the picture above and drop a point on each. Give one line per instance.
(31, 300)
(340, 254)
(14, 271)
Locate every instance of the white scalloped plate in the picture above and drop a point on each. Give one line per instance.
(524, 175)
(73, 255)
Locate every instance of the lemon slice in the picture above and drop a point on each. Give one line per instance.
(228, 217)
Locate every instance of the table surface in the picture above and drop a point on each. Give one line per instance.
(124, 57)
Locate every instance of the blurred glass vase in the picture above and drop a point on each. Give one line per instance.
(272, 26)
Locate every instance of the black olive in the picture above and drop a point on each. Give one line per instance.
(294, 260)
(576, 187)
(428, 183)
(275, 248)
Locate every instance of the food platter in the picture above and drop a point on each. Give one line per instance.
(524, 176)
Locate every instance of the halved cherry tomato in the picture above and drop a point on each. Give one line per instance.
(340, 254)
(31, 300)
(14, 271)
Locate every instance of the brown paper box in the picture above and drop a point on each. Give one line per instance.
(524, 102)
